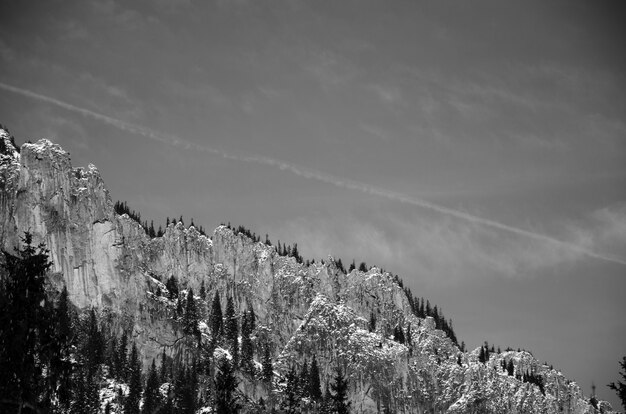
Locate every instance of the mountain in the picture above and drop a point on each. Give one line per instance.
(109, 262)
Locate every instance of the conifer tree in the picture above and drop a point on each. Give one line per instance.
(247, 350)
(94, 348)
(481, 355)
(225, 384)
(151, 395)
(303, 380)
(216, 317)
(64, 343)
(172, 287)
(372, 323)
(122, 369)
(163, 371)
(190, 317)
(25, 326)
(232, 331)
(341, 404)
(620, 387)
(180, 307)
(315, 389)
(131, 405)
(202, 291)
(291, 401)
(268, 368)
(510, 369)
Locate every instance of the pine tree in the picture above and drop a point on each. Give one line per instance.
(232, 331)
(163, 371)
(94, 348)
(510, 369)
(481, 355)
(190, 317)
(131, 405)
(315, 389)
(202, 291)
(172, 287)
(291, 401)
(216, 317)
(620, 387)
(268, 368)
(341, 404)
(372, 323)
(151, 395)
(25, 326)
(64, 343)
(247, 350)
(225, 385)
(303, 380)
(122, 369)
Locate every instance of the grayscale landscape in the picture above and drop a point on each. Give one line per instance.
(312, 206)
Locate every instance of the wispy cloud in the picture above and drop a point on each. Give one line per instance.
(314, 175)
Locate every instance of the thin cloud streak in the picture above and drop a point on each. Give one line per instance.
(308, 173)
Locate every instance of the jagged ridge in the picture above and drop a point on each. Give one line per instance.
(108, 261)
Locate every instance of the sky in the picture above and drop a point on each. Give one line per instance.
(476, 149)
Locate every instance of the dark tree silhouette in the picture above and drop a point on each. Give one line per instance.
(315, 388)
(339, 388)
(232, 330)
(190, 317)
(620, 387)
(131, 405)
(25, 327)
(216, 317)
(172, 287)
(151, 395)
(226, 402)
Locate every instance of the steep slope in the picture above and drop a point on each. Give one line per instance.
(108, 261)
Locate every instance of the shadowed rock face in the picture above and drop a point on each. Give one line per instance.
(107, 261)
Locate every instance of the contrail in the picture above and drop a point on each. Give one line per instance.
(308, 173)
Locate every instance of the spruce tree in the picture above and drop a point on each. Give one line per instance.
(25, 326)
(481, 355)
(341, 404)
(315, 389)
(216, 317)
(232, 331)
(303, 380)
(202, 291)
(163, 371)
(131, 405)
(268, 368)
(372, 323)
(247, 351)
(151, 395)
(64, 343)
(122, 369)
(94, 348)
(172, 287)
(225, 384)
(510, 369)
(620, 387)
(190, 317)
(291, 400)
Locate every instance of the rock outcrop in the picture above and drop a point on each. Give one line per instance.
(108, 261)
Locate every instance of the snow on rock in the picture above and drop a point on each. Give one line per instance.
(109, 262)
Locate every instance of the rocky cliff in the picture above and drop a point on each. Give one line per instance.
(108, 261)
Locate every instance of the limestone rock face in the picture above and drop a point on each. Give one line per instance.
(108, 261)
